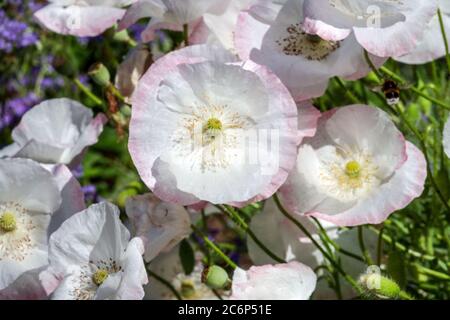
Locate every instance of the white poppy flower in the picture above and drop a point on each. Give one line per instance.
(384, 28)
(55, 131)
(273, 35)
(160, 225)
(432, 46)
(37, 283)
(28, 196)
(166, 14)
(93, 255)
(288, 281)
(286, 240)
(83, 18)
(357, 169)
(196, 117)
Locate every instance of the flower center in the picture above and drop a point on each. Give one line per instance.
(187, 289)
(212, 124)
(100, 276)
(352, 169)
(299, 43)
(8, 222)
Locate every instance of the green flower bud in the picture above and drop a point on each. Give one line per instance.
(215, 277)
(100, 74)
(380, 285)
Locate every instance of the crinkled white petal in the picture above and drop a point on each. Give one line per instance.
(160, 225)
(289, 281)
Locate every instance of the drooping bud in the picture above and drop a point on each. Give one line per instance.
(216, 277)
(100, 74)
(382, 287)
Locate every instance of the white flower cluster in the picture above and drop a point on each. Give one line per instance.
(224, 120)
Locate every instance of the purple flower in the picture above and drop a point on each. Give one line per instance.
(13, 109)
(14, 34)
(90, 193)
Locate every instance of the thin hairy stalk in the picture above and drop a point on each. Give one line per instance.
(166, 283)
(336, 246)
(445, 39)
(349, 279)
(362, 245)
(213, 246)
(88, 92)
(349, 94)
(241, 223)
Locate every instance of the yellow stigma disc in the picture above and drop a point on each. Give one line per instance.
(187, 289)
(8, 222)
(100, 276)
(213, 124)
(352, 169)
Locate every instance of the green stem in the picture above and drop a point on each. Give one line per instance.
(166, 283)
(186, 34)
(214, 247)
(349, 279)
(403, 248)
(444, 36)
(432, 273)
(372, 66)
(240, 222)
(349, 94)
(88, 92)
(380, 246)
(116, 93)
(362, 245)
(335, 245)
(405, 296)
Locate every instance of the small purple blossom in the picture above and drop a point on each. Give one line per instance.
(13, 109)
(14, 34)
(90, 193)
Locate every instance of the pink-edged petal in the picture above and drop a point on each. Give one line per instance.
(35, 284)
(289, 281)
(143, 150)
(135, 275)
(400, 38)
(149, 33)
(325, 31)
(139, 10)
(432, 45)
(82, 21)
(308, 116)
(406, 185)
(72, 196)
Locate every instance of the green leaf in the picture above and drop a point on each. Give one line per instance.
(396, 268)
(187, 257)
